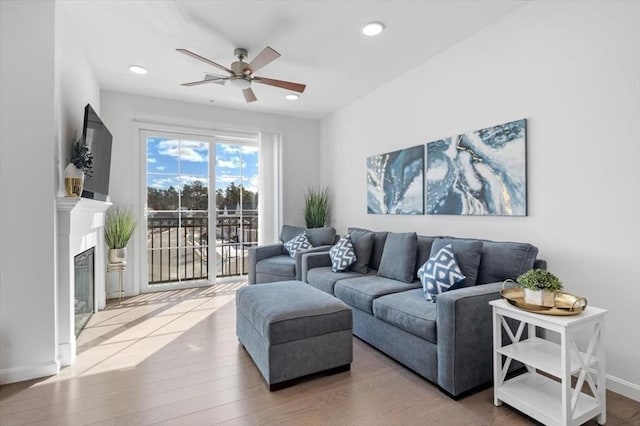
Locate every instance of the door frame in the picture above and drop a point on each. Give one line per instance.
(212, 136)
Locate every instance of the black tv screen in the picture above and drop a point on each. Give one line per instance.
(98, 138)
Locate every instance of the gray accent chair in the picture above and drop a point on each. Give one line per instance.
(448, 342)
(271, 262)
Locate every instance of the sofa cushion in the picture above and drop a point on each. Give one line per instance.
(277, 265)
(505, 260)
(342, 254)
(324, 279)
(363, 246)
(360, 292)
(440, 273)
(288, 232)
(299, 242)
(379, 239)
(408, 311)
(321, 236)
(424, 251)
(468, 254)
(399, 256)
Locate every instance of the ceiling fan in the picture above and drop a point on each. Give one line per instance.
(241, 73)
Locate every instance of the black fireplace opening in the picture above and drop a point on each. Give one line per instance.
(84, 280)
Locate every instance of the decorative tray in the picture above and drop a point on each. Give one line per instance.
(565, 303)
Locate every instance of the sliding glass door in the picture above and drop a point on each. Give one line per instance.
(194, 237)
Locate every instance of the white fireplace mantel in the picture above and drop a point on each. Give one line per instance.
(80, 227)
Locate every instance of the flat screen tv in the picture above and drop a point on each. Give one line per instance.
(98, 138)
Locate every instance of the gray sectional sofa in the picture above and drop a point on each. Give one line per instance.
(448, 342)
(271, 262)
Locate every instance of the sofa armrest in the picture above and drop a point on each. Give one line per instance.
(314, 260)
(258, 253)
(465, 337)
(540, 264)
(301, 253)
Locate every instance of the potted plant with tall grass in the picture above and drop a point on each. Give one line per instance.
(316, 207)
(119, 224)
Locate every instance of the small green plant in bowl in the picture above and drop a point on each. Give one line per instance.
(539, 287)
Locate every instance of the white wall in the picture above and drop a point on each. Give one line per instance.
(27, 221)
(572, 70)
(301, 150)
(45, 83)
(77, 86)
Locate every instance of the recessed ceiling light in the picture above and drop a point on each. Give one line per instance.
(292, 97)
(373, 28)
(137, 69)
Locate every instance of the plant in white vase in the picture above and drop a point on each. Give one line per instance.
(539, 286)
(80, 165)
(119, 224)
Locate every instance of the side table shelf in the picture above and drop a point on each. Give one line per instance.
(550, 401)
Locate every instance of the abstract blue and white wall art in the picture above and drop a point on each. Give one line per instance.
(479, 173)
(395, 182)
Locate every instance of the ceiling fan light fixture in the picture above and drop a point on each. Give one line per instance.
(240, 82)
(373, 29)
(292, 97)
(137, 69)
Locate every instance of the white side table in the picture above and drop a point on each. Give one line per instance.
(546, 400)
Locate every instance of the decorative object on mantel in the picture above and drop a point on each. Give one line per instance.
(316, 207)
(479, 173)
(80, 164)
(119, 224)
(395, 182)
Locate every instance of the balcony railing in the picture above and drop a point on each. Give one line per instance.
(178, 244)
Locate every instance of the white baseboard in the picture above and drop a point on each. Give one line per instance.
(623, 387)
(28, 372)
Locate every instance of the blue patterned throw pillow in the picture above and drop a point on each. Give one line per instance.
(297, 243)
(342, 254)
(440, 273)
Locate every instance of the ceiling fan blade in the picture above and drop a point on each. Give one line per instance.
(220, 80)
(249, 96)
(296, 87)
(203, 59)
(265, 57)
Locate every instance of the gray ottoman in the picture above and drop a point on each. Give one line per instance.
(291, 330)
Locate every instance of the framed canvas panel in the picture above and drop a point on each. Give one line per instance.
(395, 182)
(479, 173)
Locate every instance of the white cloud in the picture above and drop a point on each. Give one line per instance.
(160, 168)
(232, 163)
(162, 183)
(228, 164)
(229, 149)
(151, 160)
(197, 152)
(190, 179)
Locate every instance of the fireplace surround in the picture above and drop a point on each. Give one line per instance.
(80, 228)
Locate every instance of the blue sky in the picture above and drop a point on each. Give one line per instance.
(172, 162)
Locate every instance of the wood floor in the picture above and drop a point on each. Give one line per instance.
(172, 358)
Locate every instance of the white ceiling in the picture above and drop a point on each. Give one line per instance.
(320, 43)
